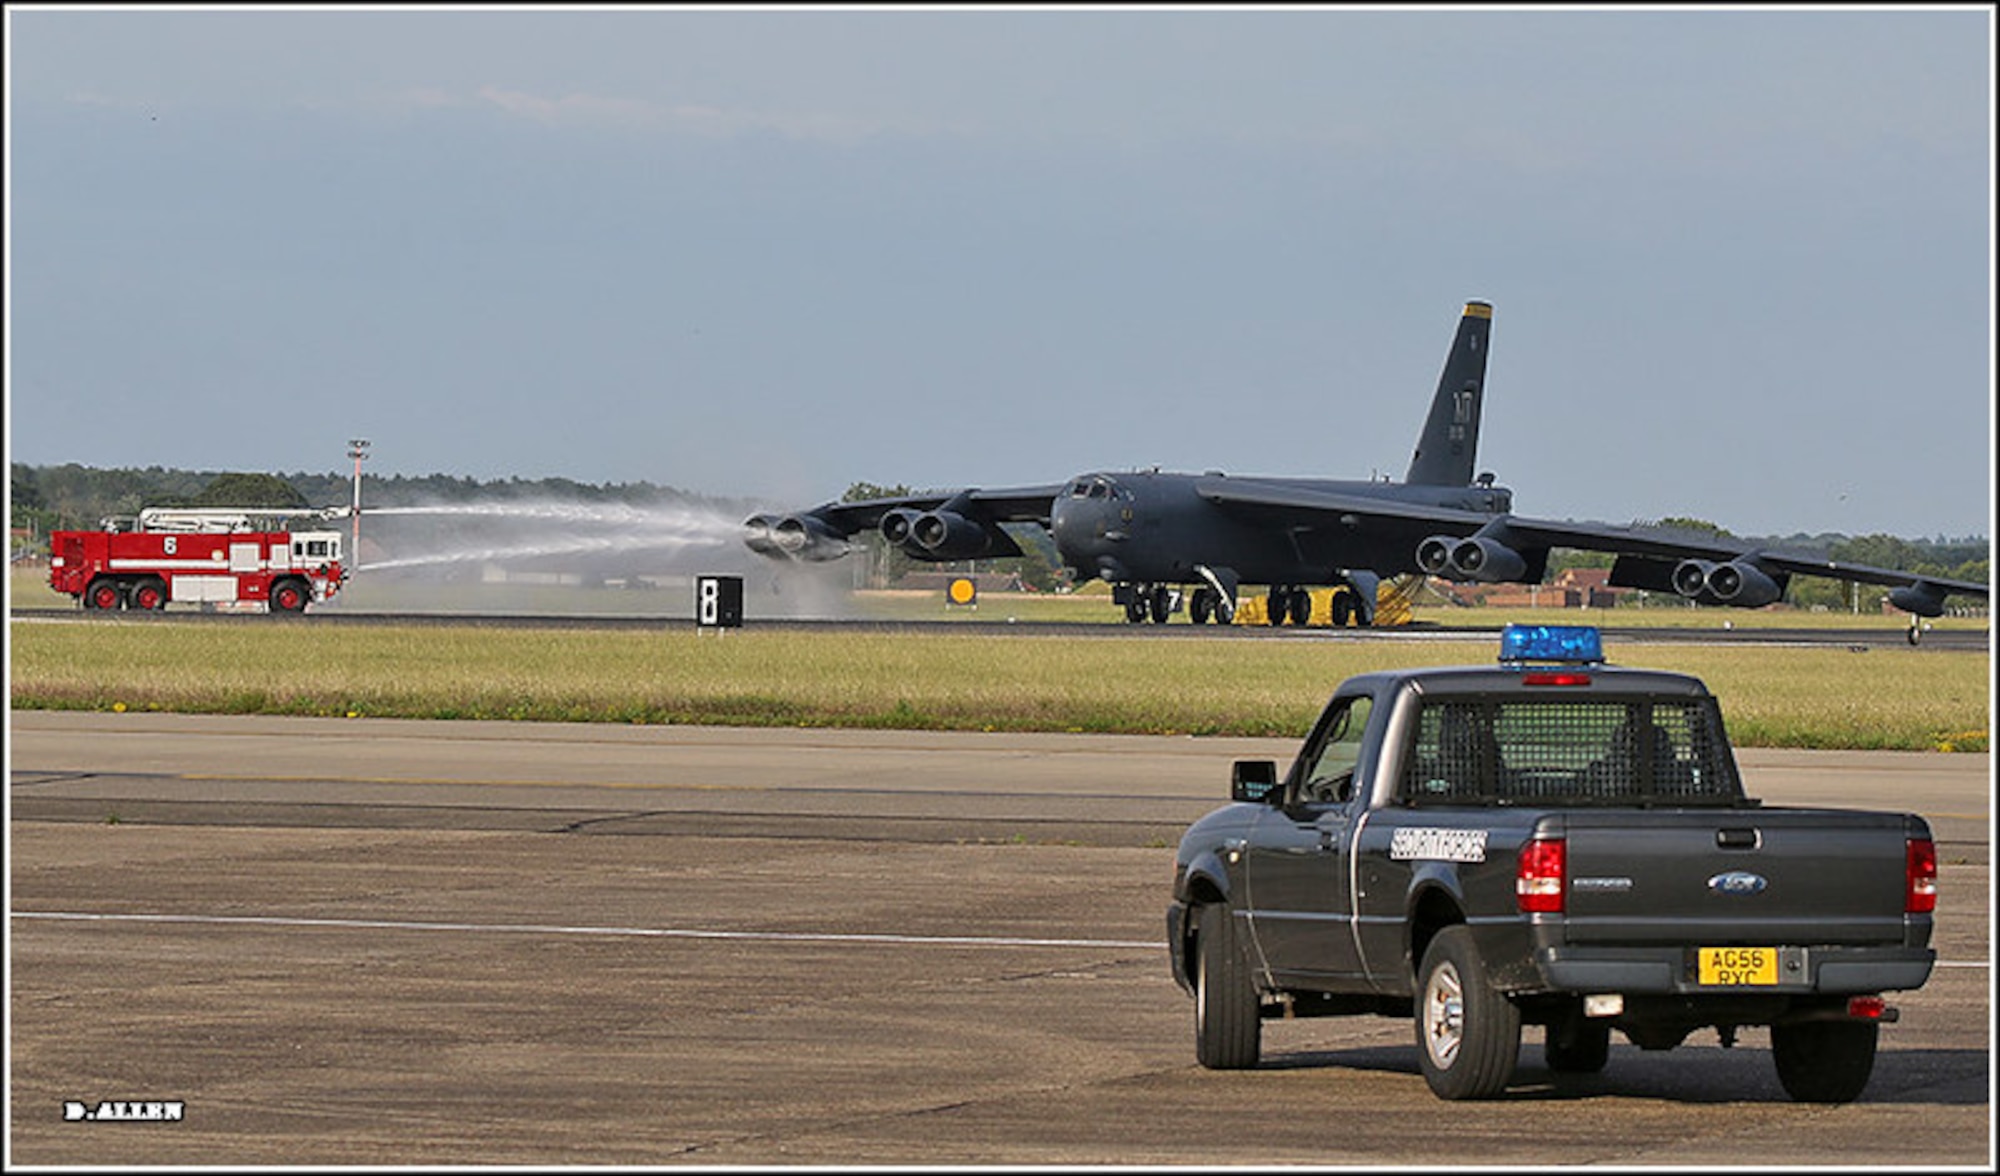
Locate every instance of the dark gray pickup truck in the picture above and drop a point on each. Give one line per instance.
(1548, 841)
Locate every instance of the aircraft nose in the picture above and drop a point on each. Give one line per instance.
(1078, 530)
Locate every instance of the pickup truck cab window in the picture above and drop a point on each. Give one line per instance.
(1329, 763)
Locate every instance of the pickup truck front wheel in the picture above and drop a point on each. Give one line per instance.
(1468, 1032)
(1226, 1029)
(1824, 1061)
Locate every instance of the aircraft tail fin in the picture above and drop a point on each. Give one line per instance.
(1449, 444)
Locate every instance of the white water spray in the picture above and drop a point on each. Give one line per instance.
(499, 532)
(483, 555)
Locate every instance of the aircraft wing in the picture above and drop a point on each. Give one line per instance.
(1299, 505)
(1708, 568)
(1029, 504)
(1715, 569)
(939, 525)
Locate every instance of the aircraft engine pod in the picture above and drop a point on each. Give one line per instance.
(1923, 599)
(896, 525)
(1434, 555)
(1690, 577)
(1743, 584)
(944, 534)
(1479, 558)
(1488, 561)
(1738, 583)
(757, 535)
(805, 537)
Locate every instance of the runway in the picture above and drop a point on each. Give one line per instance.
(382, 942)
(1889, 634)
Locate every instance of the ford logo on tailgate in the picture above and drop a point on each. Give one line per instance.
(1738, 882)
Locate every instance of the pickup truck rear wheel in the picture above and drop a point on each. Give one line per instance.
(1468, 1032)
(1824, 1061)
(1226, 1029)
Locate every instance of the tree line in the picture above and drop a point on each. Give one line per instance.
(78, 497)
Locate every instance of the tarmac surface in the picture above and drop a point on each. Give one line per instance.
(1888, 635)
(373, 942)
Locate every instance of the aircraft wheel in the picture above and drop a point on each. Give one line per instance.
(1135, 608)
(1163, 603)
(1277, 605)
(1199, 605)
(1224, 613)
(1302, 606)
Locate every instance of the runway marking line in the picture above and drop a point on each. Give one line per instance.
(641, 932)
(630, 932)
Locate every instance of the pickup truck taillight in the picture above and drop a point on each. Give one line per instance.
(1920, 876)
(1539, 877)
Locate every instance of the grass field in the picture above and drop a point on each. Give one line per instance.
(1773, 697)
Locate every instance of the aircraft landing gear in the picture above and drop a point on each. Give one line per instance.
(1288, 603)
(1206, 602)
(1144, 602)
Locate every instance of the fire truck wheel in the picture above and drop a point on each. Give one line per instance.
(104, 594)
(150, 595)
(288, 597)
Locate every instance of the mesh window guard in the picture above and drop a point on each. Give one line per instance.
(1601, 751)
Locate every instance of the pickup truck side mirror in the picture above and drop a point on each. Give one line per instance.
(1253, 780)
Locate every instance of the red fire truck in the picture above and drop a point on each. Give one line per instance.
(205, 556)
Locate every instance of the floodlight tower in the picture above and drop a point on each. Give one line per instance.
(358, 450)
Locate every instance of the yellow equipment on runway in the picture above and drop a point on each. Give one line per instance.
(1392, 604)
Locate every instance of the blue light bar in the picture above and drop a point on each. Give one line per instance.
(1550, 643)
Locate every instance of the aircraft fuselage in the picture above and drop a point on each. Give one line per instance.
(1158, 528)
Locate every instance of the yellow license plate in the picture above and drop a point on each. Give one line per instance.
(1738, 965)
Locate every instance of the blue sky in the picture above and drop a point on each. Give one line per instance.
(1741, 262)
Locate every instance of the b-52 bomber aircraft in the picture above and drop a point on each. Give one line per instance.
(1148, 533)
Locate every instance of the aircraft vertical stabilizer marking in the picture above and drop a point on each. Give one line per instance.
(1449, 443)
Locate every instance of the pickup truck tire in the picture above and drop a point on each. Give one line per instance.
(1226, 1028)
(1468, 1032)
(1824, 1061)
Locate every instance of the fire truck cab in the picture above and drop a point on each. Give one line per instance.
(207, 557)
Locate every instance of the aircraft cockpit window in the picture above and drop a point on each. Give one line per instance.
(1079, 489)
(1100, 490)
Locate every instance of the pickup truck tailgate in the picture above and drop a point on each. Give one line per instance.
(1744, 876)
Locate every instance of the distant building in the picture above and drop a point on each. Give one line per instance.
(1574, 588)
